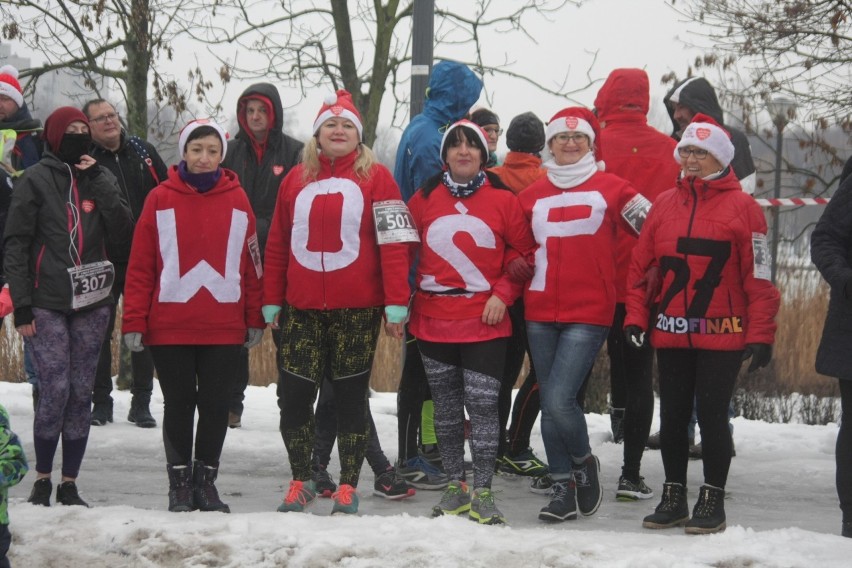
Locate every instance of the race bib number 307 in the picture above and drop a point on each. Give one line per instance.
(393, 223)
(91, 283)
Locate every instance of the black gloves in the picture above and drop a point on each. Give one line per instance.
(760, 354)
(635, 336)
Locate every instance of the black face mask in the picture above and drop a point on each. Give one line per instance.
(73, 146)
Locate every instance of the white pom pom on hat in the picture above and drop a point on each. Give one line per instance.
(9, 85)
(339, 104)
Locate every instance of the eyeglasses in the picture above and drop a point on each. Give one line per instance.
(103, 118)
(565, 137)
(699, 153)
(493, 131)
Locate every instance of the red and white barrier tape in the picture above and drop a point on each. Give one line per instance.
(792, 201)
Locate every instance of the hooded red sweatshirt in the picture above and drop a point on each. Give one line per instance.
(194, 271)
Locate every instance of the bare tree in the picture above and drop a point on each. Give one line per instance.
(799, 48)
(361, 45)
(109, 44)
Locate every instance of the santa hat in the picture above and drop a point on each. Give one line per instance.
(9, 85)
(57, 123)
(576, 119)
(483, 139)
(339, 104)
(705, 133)
(196, 124)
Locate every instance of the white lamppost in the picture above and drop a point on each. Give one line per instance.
(782, 110)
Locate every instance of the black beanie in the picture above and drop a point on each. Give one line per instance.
(483, 116)
(525, 134)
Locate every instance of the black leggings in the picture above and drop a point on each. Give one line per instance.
(412, 391)
(195, 377)
(843, 451)
(631, 384)
(338, 344)
(466, 376)
(708, 377)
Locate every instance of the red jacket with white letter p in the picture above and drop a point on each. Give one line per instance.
(322, 252)
(575, 230)
(194, 271)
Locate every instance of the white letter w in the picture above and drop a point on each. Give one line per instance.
(177, 288)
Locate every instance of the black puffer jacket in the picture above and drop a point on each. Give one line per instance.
(831, 252)
(261, 179)
(38, 242)
(698, 95)
(138, 169)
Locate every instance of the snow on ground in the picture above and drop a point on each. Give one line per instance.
(781, 507)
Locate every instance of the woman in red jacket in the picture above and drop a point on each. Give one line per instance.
(325, 265)
(193, 296)
(716, 308)
(570, 301)
(467, 220)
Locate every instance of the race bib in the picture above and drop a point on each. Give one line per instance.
(254, 251)
(393, 223)
(91, 283)
(762, 258)
(636, 211)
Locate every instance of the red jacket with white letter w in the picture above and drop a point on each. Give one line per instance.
(575, 230)
(192, 279)
(322, 252)
(714, 295)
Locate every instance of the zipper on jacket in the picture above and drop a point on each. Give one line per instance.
(686, 255)
(124, 186)
(38, 265)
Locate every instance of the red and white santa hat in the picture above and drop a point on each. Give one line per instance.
(576, 119)
(705, 133)
(10, 86)
(198, 123)
(339, 104)
(473, 126)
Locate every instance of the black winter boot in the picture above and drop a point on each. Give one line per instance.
(139, 413)
(40, 494)
(180, 488)
(101, 413)
(672, 510)
(66, 493)
(846, 529)
(203, 489)
(708, 516)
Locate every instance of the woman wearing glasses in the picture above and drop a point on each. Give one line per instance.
(716, 309)
(570, 301)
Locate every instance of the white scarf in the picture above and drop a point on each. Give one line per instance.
(572, 175)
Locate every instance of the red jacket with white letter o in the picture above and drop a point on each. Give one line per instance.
(705, 235)
(322, 252)
(575, 230)
(193, 278)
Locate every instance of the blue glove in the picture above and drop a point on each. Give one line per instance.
(269, 313)
(396, 314)
(133, 341)
(253, 337)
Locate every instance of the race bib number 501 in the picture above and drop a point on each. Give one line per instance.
(393, 223)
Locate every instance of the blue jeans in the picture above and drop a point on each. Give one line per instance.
(562, 355)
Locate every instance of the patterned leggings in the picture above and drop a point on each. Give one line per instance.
(65, 352)
(339, 344)
(465, 375)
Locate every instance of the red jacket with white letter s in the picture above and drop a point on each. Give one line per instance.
(192, 279)
(322, 252)
(714, 295)
(575, 230)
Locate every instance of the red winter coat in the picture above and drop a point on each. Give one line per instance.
(322, 252)
(191, 279)
(632, 150)
(463, 245)
(575, 230)
(714, 295)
